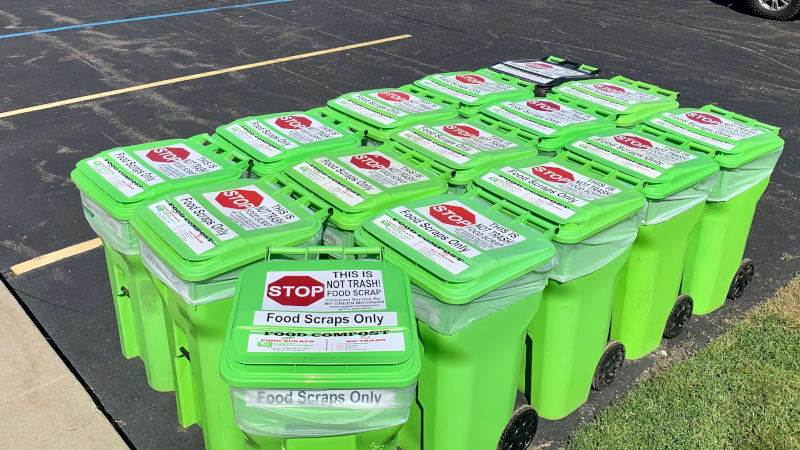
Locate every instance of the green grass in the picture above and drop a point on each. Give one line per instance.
(740, 391)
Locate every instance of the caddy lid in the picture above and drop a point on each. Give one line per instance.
(474, 89)
(550, 71)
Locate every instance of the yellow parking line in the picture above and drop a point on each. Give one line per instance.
(57, 255)
(199, 75)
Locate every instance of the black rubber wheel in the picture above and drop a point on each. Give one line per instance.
(521, 429)
(679, 316)
(775, 9)
(741, 281)
(609, 366)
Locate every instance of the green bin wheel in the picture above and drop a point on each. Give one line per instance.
(521, 429)
(679, 316)
(741, 281)
(609, 366)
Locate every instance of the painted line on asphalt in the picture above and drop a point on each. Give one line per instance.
(55, 256)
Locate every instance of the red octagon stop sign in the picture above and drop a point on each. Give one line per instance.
(633, 141)
(167, 154)
(239, 199)
(452, 215)
(470, 78)
(609, 88)
(296, 290)
(293, 122)
(371, 162)
(702, 117)
(553, 174)
(394, 96)
(543, 105)
(461, 131)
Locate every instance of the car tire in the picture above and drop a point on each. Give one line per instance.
(778, 12)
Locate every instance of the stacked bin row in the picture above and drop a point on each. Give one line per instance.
(391, 268)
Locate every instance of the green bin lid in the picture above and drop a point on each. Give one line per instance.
(665, 163)
(475, 89)
(467, 147)
(122, 178)
(570, 194)
(555, 119)
(550, 71)
(322, 324)
(629, 101)
(275, 140)
(380, 111)
(206, 231)
(455, 247)
(360, 182)
(736, 138)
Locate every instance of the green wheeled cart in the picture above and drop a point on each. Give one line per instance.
(556, 119)
(473, 90)
(628, 102)
(594, 213)
(545, 73)
(747, 151)
(195, 244)
(112, 184)
(322, 354)
(273, 141)
(677, 175)
(477, 275)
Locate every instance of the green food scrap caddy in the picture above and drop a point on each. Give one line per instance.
(677, 174)
(545, 73)
(274, 141)
(466, 148)
(594, 212)
(112, 184)
(360, 182)
(477, 277)
(555, 119)
(747, 151)
(472, 90)
(379, 112)
(628, 101)
(322, 354)
(195, 244)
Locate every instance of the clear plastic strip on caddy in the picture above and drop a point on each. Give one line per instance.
(733, 182)
(298, 413)
(658, 211)
(449, 319)
(118, 234)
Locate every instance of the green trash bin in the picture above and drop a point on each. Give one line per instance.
(112, 184)
(379, 112)
(594, 213)
(477, 274)
(678, 175)
(555, 119)
(472, 90)
(545, 73)
(195, 244)
(628, 101)
(360, 182)
(322, 354)
(274, 141)
(466, 148)
(747, 151)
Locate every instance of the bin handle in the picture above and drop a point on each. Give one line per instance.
(324, 250)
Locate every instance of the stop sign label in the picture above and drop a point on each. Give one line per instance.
(239, 199)
(609, 88)
(293, 122)
(452, 215)
(704, 118)
(167, 154)
(538, 65)
(394, 96)
(370, 161)
(462, 131)
(470, 78)
(633, 141)
(553, 174)
(296, 290)
(544, 105)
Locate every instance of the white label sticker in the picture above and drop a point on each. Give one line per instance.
(476, 138)
(691, 134)
(326, 342)
(435, 233)
(328, 290)
(446, 90)
(205, 217)
(550, 112)
(718, 126)
(302, 128)
(434, 147)
(521, 74)
(528, 195)
(519, 120)
(383, 169)
(250, 208)
(425, 247)
(194, 238)
(100, 214)
(137, 169)
(349, 176)
(565, 183)
(407, 102)
(177, 161)
(271, 135)
(468, 225)
(591, 98)
(115, 176)
(653, 152)
(256, 141)
(378, 105)
(325, 320)
(362, 111)
(617, 159)
(330, 184)
(474, 83)
(626, 95)
(544, 68)
(334, 398)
